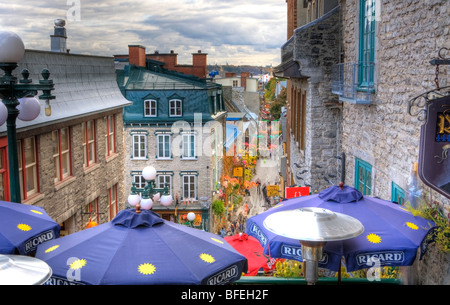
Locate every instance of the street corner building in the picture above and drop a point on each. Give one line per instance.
(71, 155)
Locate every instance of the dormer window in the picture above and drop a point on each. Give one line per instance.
(175, 107)
(150, 108)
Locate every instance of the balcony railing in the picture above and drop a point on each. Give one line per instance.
(354, 82)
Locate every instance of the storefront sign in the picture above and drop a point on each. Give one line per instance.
(434, 154)
(272, 190)
(298, 191)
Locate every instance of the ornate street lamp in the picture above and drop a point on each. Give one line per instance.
(150, 193)
(18, 100)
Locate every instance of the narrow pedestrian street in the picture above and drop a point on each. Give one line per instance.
(267, 172)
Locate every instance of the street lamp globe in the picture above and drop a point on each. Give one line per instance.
(134, 199)
(3, 113)
(149, 173)
(12, 48)
(29, 108)
(156, 197)
(146, 203)
(191, 216)
(166, 200)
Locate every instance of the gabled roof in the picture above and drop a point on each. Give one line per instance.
(84, 85)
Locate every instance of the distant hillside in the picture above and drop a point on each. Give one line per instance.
(222, 69)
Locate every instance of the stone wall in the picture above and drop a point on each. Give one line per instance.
(67, 199)
(203, 164)
(316, 49)
(408, 35)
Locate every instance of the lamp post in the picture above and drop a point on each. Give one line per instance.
(150, 192)
(191, 218)
(18, 100)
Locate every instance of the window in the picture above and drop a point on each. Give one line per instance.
(367, 43)
(363, 177)
(91, 209)
(61, 154)
(112, 202)
(139, 146)
(398, 194)
(162, 179)
(188, 150)
(150, 107)
(89, 143)
(189, 186)
(28, 167)
(139, 181)
(163, 150)
(175, 108)
(110, 135)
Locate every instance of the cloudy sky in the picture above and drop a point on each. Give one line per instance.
(231, 31)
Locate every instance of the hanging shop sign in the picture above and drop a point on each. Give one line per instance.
(238, 171)
(297, 191)
(434, 155)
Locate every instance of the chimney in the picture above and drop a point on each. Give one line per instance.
(58, 41)
(199, 61)
(136, 55)
(244, 76)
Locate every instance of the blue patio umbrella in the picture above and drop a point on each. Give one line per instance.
(141, 249)
(23, 227)
(391, 234)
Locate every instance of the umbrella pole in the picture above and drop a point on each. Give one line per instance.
(311, 253)
(339, 271)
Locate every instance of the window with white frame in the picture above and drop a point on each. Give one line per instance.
(163, 149)
(139, 181)
(139, 145)
(150, 108)
(162, 179)
(188, 146)
(189, 186)
(175, 107)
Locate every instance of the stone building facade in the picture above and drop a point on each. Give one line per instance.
(408, 34)
(313, 113)
(58, 177)
(177, 125)
(380, 139)
(360, 85)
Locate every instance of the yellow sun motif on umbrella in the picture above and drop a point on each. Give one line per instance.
(23, 227)
(374, 238)
(207, 258)
(78, 264)
(146, 269)
(52, 249)
(37, 212)
(217, 240)
(412, 226)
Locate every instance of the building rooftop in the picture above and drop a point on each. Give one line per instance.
(84, 85)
